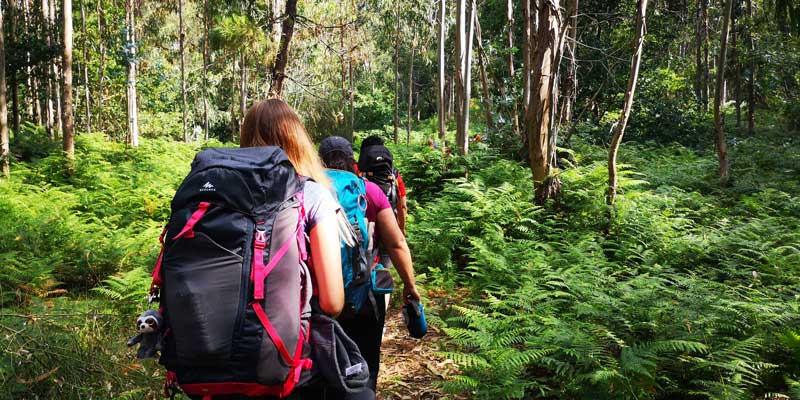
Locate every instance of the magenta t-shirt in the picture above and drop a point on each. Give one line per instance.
(376, 201)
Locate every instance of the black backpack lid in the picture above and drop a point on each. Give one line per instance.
(375, 157)
(254, 180)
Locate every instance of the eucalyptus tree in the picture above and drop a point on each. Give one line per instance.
(4, 148)
(68, 133)
(130, 55)
(546, 42)
(719, 128)
(618, 129)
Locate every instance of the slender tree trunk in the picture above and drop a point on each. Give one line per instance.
(234, 120)
(182, 49)
(243, 86)
(619, 128)
(12, 81)
(86, 90)
(351, 74)
(466, 31)
(459, 83)
(30, 93)
(277, 5)
(48, 35)
(463, 146)
(571, 78)
(751, 59)
(526, 58)
(543, 81)
(397, 75)
(101, 68)
(410, 89)
(343, 80)
(33, 70)
(133, 109)
(441, 92)
(487, 96)
(510, 28)
(282, 59)
(736, 71)
(704, 32)
(205, 69)
(5, 154)
(57, 73)
(719, 128)
(698, 65)
(68, 133)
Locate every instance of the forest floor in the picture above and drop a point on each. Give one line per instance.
(412, 368)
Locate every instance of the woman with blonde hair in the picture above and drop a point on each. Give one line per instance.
(273, 123)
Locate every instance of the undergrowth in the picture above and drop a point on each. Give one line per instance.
(682, 291)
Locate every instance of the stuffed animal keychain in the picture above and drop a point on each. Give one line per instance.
(148, 325)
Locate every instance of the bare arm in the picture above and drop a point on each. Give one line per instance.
(327, 265)
(394, 242)
(402, 213)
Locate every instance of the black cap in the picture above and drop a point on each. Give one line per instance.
(335, 143)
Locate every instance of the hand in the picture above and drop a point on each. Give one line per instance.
(410, 293)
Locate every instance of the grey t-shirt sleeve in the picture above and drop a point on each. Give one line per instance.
(319, 203)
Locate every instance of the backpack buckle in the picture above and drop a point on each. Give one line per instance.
(260, 238)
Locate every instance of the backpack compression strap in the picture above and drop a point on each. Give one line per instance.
(260, 272)
(187, 232)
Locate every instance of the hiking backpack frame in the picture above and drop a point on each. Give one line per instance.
(232, 278)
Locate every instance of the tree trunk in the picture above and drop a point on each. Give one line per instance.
(12, 81)
(736, 71)
(49, 108)
(66, 66)
(619, 128)
(571, 77)
(751, 59)
(543, 81)
(441, 92)
(459, 84)
(242, 86)
(205, 69)
(30, 94)
(397, 75)
(719, 129)
(276, 20)
(526, 58)
(351, 74)
(86, 91)
(133, 109)
(487, 97)
(704, 36)
(410, 89)
(101, 68)
(464, 74)
(510, 28)
(698, 64)
(181, 46)
(5, 153)
(282, 58)
(57, 74)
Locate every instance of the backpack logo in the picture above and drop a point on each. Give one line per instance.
(208, 187)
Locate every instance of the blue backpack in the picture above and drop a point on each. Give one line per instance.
(351, 192)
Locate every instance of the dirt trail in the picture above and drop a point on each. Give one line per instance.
(410, 368)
